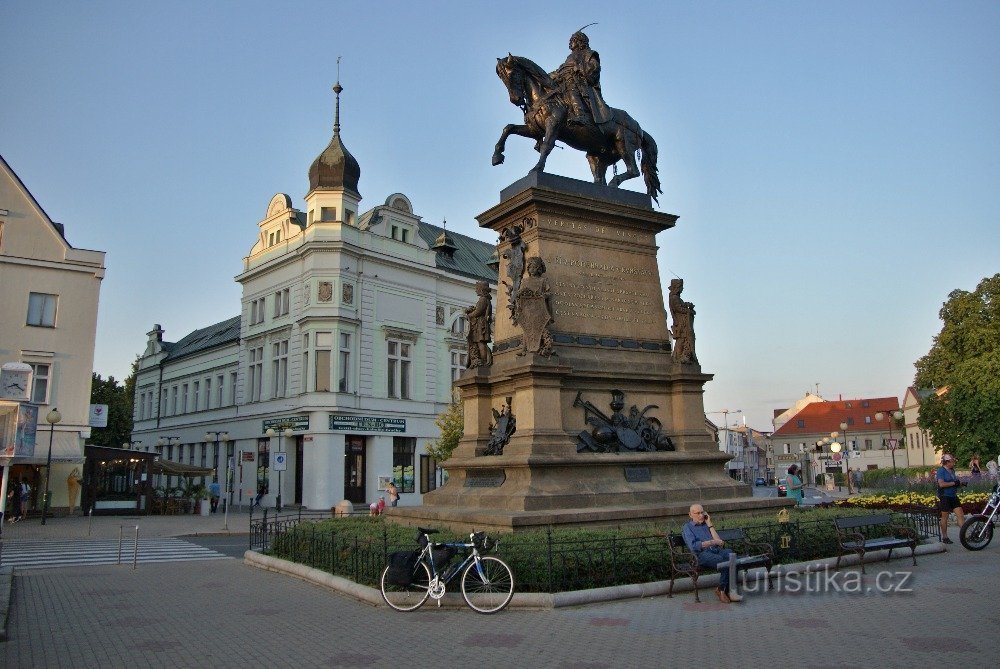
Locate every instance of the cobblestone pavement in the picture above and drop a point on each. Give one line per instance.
(226, 614)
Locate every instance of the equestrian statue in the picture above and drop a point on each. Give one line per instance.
(567, 105)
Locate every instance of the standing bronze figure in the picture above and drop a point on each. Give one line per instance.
(480, 318)
(567, 105)
(683, 316)
(533, 307)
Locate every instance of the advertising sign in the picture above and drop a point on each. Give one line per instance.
(281, 422)
(98, 415)
(366, 423)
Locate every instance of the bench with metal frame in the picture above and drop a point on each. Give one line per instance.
(684, 563)
(891, 535)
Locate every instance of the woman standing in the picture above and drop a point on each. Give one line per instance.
(393, 492)
(794, 485)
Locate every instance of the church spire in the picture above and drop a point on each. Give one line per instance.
(335, 167)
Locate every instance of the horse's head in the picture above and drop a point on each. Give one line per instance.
(513, 78)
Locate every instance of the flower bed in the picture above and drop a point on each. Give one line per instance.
(972, 502)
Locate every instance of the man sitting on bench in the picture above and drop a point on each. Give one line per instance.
(704, 542)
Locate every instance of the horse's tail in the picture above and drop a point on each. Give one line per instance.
(648, 166)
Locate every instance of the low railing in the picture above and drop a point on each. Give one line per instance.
(551, 565)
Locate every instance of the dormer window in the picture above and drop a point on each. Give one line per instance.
(273, 238)
(400, 233)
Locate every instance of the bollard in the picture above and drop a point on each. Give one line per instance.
(135, 555)
(90, 525)
(120, 528)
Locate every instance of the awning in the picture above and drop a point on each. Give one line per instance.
(179, 469)
(66, 449)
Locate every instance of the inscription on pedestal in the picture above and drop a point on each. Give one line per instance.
(638, 475)
(485, 478)
(603, 291)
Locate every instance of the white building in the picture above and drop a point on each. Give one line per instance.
(49, 293)
(350, 333)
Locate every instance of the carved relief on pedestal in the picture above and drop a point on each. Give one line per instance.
(503, 428)
(618, 432)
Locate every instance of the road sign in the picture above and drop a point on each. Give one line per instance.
(838, 456)
(892, 443)
(280, 462)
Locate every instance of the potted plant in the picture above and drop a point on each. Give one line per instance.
(197, 493)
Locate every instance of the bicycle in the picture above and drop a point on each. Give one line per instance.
(411, 577)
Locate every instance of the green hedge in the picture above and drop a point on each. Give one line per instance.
(556, 560)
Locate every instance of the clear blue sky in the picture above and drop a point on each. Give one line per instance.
(834, 165)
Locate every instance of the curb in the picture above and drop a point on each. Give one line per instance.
(543, 600)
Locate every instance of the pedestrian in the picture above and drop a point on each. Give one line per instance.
(393, 493)
(858, 478)
(376, 508)
(260, 494)
(794, 485)
(214, 492)
(975, 468)
(14, 502)
(25, 497)
(704, 542)
(948, 484)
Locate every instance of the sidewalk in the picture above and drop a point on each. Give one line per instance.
(108, 527)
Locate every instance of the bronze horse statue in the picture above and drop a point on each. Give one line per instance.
(546, 119)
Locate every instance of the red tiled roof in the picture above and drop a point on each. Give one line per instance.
(820, 417)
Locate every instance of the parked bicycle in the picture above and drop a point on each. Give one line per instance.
(411, 577)
(977, 531)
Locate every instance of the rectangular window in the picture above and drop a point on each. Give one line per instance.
(163, 402)
(459, 360)
(142, 406)
(343, 382)
(305, 363)
(42, 310)
(173, 401)
(405, 235)
(39, 383)
(281, 302)
(324, 344)
(800, 423)
(204, 455)
(868, 420)
(184, 399)
(398, 369)
(403, 450)
(428, 473)
(191, 454)
(787, 449)
(232, 388)
(195, 395)
(328, 213)
(868, 444)
(257, 311)
(279, 368)
(395, 232)
(220, 380)
(255, 373)
(208, 393)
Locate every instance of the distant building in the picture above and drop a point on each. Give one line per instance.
(919, 446)
(749, 449)
(865, 442)
(49, 292)
(351, 331)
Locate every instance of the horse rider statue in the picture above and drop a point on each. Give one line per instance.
(580, 80)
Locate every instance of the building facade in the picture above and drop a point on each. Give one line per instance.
(49, 294)
(351, 330)
(866, 441)
(919, 446)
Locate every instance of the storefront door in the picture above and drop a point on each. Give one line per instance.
(354, 469)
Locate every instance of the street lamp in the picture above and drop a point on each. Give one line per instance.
(893, 417)
(132, 445)
(52, 418)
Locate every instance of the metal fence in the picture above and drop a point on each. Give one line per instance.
(550, 564)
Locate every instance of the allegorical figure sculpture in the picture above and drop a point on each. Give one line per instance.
(567, 105)
(682, 314)
(619, 433)
(533, 307)
(480, 318)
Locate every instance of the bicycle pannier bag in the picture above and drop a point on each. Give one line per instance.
(402, 566)
(442, 555)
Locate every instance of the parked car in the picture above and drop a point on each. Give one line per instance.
(760, 481)
(783, 488)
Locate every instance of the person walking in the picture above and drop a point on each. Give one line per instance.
(948, 484)
(393, 493)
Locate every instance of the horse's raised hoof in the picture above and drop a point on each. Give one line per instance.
(497, 158)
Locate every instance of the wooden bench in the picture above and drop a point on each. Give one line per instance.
(684, 563)
(890, 535)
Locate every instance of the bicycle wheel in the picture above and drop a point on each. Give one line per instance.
(489, 587)
(407, 597)
(976, 533)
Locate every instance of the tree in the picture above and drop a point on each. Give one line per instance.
(452, 426)
(963, 417)
(119, 398)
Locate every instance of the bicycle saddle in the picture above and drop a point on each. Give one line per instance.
(425, 530)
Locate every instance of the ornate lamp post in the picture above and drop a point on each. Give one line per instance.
(893, 417)
(52, 418)
(132, 445)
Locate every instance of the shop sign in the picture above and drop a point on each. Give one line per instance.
(345, 423)
(280, 423)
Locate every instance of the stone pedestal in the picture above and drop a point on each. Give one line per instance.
(610, 332)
